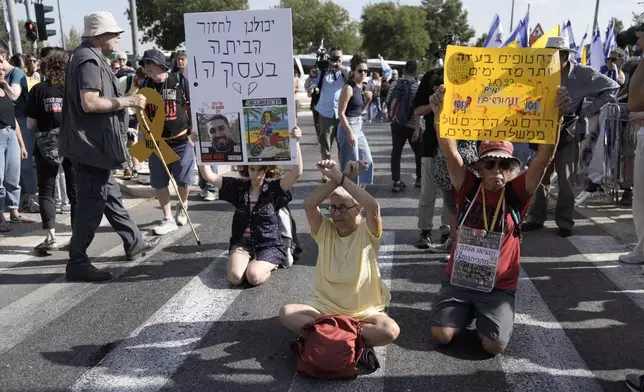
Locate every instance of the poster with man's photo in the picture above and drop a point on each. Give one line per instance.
(240, 67)
(219, 137)
(267, 133)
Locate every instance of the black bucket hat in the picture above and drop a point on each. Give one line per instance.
(156, 56)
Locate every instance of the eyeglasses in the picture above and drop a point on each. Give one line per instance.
(503, 164)
(364, 71)
(613, 59)
(341, 208)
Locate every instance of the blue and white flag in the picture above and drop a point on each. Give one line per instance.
(567, 31)
(580, 48)
(525, 34)
(495, 35)
(611, 42)
(597, 58)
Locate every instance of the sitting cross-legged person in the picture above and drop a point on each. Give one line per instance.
(347, 279)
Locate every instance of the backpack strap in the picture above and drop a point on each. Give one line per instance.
(514, 206)
(469, 199)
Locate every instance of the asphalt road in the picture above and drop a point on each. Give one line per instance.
(171, 322)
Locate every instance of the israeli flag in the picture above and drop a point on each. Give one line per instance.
(597, 58)
(611, 42)
(524, 35)
(495, 34)
(580, 48)
(567, 30)
(516, 36)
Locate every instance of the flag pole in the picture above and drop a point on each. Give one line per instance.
(512, 17)
(596, 23)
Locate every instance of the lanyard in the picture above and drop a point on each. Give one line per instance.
(496, 212)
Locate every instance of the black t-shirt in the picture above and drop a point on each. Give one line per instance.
(45, 105)
(7, 112)
(428, 83)
(175, 94)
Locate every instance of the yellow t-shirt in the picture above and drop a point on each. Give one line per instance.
(347, 279)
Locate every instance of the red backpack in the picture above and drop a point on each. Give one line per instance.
(331, 350)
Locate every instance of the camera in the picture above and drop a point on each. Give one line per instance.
(628, 37)
(322, 59)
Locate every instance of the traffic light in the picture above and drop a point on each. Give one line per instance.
(42, 22)
(31, 31)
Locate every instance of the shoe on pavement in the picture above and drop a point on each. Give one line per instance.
(564, 233)
(591, 187)
(86, 273)
(635, 383)
(425, 240)
(445, 247)
(127, 174)
(445, 237)
(531, 226)
(66, 209)
(445, 259)
(168, 225)
(418, 183)
(630, 258)
(398, 186)
(369, 359)
(148, 245)
(627, 198)
(47, 245)
(207, 195)
(180, 217)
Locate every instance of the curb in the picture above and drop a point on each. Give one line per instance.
(132, 188)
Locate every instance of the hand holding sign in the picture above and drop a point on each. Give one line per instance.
(151, 128)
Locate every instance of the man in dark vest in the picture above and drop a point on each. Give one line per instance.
(93, 136)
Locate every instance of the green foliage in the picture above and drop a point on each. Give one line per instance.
(638, 18)
(481, 40)
(314, 20)
(394, 31)
(72, 38)
(446, 17)
(619, 25)
(162, 20)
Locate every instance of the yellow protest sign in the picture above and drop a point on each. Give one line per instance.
(507, 94)
(144, 147)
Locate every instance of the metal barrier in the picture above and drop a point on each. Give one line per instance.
(613, 161)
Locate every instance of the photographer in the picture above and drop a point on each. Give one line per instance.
(314, 94)
(329, 82)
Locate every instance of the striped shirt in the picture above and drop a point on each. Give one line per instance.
(414, 89)
(252, 200)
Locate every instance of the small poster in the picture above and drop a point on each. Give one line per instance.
(267, 133)
(476, 258)
(240, 66)
(506, 94)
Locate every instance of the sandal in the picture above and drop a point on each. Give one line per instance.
(4, 226)
(20, 219)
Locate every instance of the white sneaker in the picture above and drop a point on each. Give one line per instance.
(445, 247)
(180, 216)
(630, 258)
(206, 195)
(167, 225)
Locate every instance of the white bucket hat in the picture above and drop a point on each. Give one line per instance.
(98, 23)
(560, 43)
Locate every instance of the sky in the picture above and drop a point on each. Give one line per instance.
(546, 12)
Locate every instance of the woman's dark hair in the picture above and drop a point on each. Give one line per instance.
(18, 60)
(263, 113)
(54, 67)
(271, 171)
(358, 58)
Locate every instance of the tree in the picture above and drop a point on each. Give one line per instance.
(394, 31)
(619, 25)
(314, 20)
(162, 20)
(638, 19)
(481, 40)
(446, 17)
(72, 38)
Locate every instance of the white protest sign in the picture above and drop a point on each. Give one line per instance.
(240, 68)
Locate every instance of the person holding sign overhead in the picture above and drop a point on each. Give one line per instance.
(483, 269)
(256, 244)
(173, 88)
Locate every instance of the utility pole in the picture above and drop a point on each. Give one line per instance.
(30, 17)
(7, 27)
(62, 32)
(13, 25)
(596, 24)
(512, 17)
(135, 30)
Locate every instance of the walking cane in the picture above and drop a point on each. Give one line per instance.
(146, 126)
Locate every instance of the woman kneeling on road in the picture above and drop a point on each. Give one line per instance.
(483, 268)
(256, 246)
(347, 280)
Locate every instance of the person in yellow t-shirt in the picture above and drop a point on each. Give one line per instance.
(347, 279)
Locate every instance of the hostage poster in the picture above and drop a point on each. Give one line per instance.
(240, 66)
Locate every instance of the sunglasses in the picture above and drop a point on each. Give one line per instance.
(341, 208)
(503, 164)
(613, 59)
(363, 71)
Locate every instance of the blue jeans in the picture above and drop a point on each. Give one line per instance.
(9, 169)
(28, 180)
(203, 184)
(361, 150)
